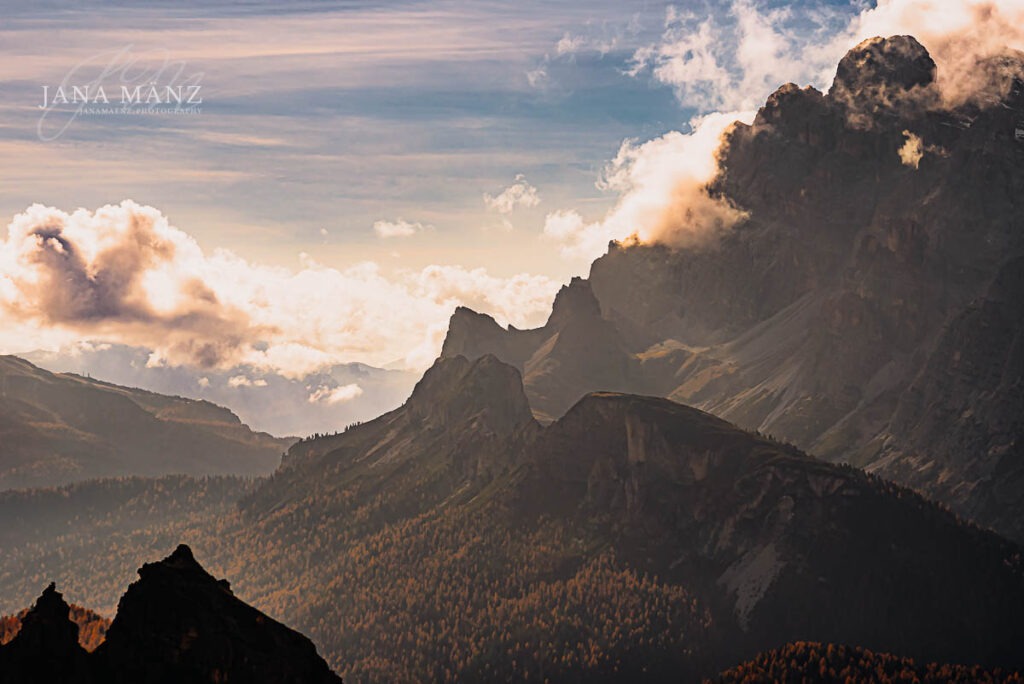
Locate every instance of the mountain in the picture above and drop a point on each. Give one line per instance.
(46, 648)
(175, 624)
(317, 402)
(58, 428)
(457, 538)
(868, 309)
(575, 348)
(92, 627)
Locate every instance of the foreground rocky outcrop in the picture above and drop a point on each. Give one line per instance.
(175, 624)
(46, 649)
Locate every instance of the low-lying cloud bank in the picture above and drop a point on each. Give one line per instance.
(123, 274)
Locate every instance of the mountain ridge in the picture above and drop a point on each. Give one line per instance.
(64, 428)
(757, 533)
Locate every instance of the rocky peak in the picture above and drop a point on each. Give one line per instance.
(468, 330)
(179, 623)
(473, 335)
(790, 102)
(883, 77)
(575, 300)
(456, 390)
(46, 648)
(49, 620)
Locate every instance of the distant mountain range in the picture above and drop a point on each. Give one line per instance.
(319, 402)
(868, 310)
(57, 428)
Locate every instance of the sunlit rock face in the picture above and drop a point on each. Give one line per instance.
(864, 279)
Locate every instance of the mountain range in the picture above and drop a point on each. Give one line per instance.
(652, 538)
(295, 404)
(807, 427)
(868, 309)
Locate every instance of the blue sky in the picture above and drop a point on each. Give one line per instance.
(324, 116)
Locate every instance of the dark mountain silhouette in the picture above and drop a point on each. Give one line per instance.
(868, 310)
(175, 624)
(57, 428)
(92, 627)
(746, 541)
(46, 649)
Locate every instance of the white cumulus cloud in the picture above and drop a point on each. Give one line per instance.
(336, 395)
(519, 194)
(124, 274)
(399, 228)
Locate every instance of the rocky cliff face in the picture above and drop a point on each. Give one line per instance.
(176, 624)
(576, 350)
(782, 538)
(461, 426)
(861, 288)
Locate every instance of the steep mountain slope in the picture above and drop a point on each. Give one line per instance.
(176, 624)
(633, 537)
(63, 428)
(867, 310)
(90, 537)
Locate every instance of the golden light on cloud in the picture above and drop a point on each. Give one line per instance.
(662, 193)
(122, 273)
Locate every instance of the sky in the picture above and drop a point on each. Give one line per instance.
(355, 170)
